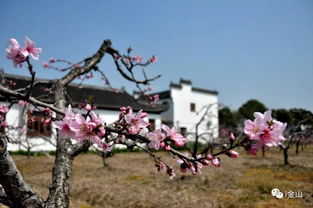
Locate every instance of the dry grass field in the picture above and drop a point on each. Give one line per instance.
(132, 181)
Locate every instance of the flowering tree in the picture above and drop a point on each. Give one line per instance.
(79, 131)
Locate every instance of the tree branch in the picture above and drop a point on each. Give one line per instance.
(33, 100)
(4, 199)
(16, 189)
(89, 64)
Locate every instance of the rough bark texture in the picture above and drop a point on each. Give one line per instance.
(61, 176)
(15, 189)
(4, 198)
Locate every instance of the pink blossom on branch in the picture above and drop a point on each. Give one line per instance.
(3, 108)
(156, 138)
(178, 139)
(16, 53)
(45, 65)
(265, 131)
(136, 122)
(216, 162)
(153, 59)
(65, 127)
(137, 58)
(22, 103)
(31, 48)
(84, 128)
(192, 167)
(79, 128)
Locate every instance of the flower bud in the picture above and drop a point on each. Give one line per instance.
(88, 107)
(232, 137)
(209, 157)
(216, 162)
(232, 154)
(167, 147)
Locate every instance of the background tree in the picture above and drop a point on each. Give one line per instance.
(251, 106)
(227, 118)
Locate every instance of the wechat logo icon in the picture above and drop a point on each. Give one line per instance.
(277, 193)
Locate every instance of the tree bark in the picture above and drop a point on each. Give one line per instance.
(104, 159)
(15, 189)
(285, 150)
(59, 190)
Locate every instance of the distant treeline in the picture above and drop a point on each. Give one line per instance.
(233, 119)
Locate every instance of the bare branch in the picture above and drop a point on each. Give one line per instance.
(32, 100)
(115, 54)
(90, 63)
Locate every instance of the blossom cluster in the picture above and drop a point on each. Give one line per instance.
(264, 131)
(20, 54)
(80, 128)
(164, 137)
(135, 122)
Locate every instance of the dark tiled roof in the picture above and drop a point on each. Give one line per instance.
(164, 94)
(105, 98)
(204, 90)
(185, 81)
(167, 93)
(172, 84)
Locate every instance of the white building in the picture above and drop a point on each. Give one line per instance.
(187, 104)
(41, 136)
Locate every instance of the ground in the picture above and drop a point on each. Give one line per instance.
(132, 181)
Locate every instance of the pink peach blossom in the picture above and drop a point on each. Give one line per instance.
(216, 162)
(45, 65)
(153, 59)
(31, 48)
(136, 122)
(265, 131)
(4, 108)
(88, 107)
(178, 139)
(16, 53)
(137, 58)
(155, 138)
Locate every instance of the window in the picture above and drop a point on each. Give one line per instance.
(37, 127)
(183, 131)
(192, 107)
(208, 125)
(152, 124)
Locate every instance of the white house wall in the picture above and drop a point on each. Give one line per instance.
(182, 115)
(169, 113)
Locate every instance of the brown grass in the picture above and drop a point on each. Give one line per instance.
(132, 181)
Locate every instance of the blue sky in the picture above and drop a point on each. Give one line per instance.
(245, 49)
